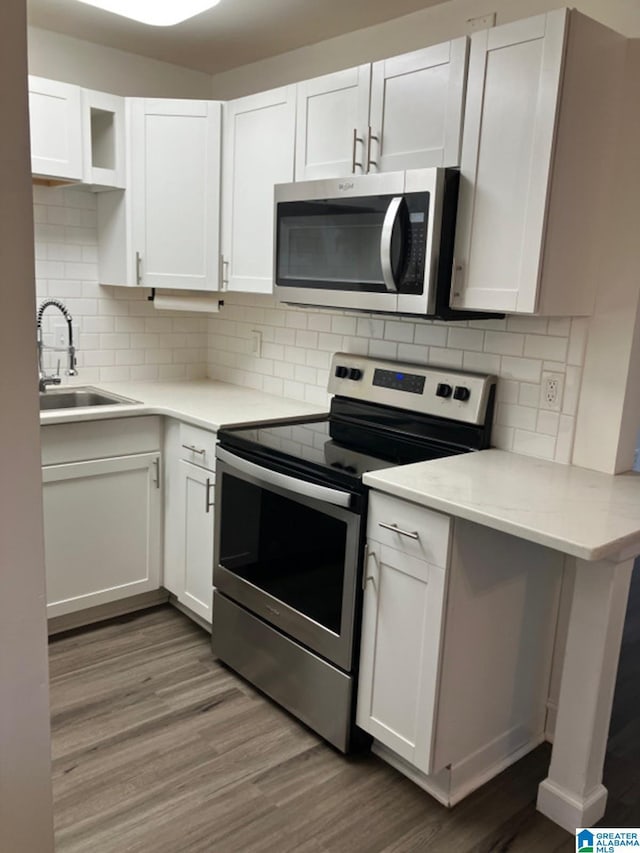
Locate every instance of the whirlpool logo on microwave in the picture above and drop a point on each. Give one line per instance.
(345, 185)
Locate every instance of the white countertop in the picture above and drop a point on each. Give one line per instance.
(580, 512)
(203, 402)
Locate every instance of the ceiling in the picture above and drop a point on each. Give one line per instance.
(233, 33)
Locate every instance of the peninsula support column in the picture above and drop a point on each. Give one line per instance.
(573, 795)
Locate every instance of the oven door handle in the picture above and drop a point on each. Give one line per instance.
(284, 481)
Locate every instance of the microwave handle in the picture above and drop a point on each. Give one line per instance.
(390, 219)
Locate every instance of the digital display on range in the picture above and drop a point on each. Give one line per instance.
(410, 382)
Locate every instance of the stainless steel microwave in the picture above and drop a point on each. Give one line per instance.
(381, 242)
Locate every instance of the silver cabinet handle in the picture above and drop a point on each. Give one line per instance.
(385, 243)
(371, 162)
(365, 577)
(284, 481)
(208, 503)
(456, 275)
(356, 139)
(194, 449)
(138, 268)
(156, 465)
(410, 534)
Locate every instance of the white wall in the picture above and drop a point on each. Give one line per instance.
(118, 332)
(410, 32)
(26, 824)
(94, 66)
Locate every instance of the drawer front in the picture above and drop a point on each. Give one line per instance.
(198, 446)
(410, 528)
(80, 441)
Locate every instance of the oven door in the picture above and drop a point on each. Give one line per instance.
(287, 550)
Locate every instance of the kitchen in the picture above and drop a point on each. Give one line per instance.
(494, 346)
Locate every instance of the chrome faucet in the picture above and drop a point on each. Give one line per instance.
(44, 379)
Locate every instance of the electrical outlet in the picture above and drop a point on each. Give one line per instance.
(483, 22)
(552, 391)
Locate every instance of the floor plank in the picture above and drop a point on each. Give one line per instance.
(159, 749)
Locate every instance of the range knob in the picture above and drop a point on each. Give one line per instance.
(461, 393)
(341, 371)
(355, 373)
(443, 390)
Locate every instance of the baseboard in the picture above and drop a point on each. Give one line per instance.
(452, 784)
(141, 601)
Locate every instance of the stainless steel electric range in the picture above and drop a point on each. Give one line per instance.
(291, 520)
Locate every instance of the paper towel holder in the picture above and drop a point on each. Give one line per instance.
(152, 297)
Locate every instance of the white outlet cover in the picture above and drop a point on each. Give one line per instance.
(549, 380)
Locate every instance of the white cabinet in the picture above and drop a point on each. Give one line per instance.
(536, 148)
(399, 113)
(103, 136)
(457, 640)
(189, 517)
(417, 102)
(163, 231)
(55, 116)
(258, 152)
(402, 622)
(331, 123)
(102, 515)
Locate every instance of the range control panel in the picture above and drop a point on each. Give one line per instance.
(432, 390)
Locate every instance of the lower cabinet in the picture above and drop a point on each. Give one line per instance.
(189, 514)
(456, 649)
(102, 520)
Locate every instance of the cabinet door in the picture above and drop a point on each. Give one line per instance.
(103, 137)
(331, 124)
(416, 108)
(400, 652)
(195, 589)
(258, 153)
(512, 100)
(102, 531)
(55, 116)
(175, 185)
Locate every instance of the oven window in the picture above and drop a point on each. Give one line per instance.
(287, 549)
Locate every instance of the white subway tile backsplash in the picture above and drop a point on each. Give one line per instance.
(504, 343)
(548, 422)
(522, 369)
(460, 338)
(578, 341)
(399, 332)
(534, 444)
(342, 325)
(546, 347)
(431, 334)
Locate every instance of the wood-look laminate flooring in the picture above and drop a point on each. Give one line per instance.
(157, 748)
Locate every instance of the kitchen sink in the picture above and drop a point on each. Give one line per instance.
(80, 398)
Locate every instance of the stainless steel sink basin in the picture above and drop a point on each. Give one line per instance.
(79, 398)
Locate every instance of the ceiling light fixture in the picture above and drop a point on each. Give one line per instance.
(158, 13)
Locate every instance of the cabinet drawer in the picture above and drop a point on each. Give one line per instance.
(198, 446)
(429, 532)
(77, 442)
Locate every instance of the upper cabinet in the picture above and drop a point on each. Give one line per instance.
(331, 124)
(164, 231)
(399, 113)
(55, 115)
(258, 152)
(537, 145)
(103, 140)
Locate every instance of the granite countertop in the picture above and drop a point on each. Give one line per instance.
(583, 513)
(204, 402)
